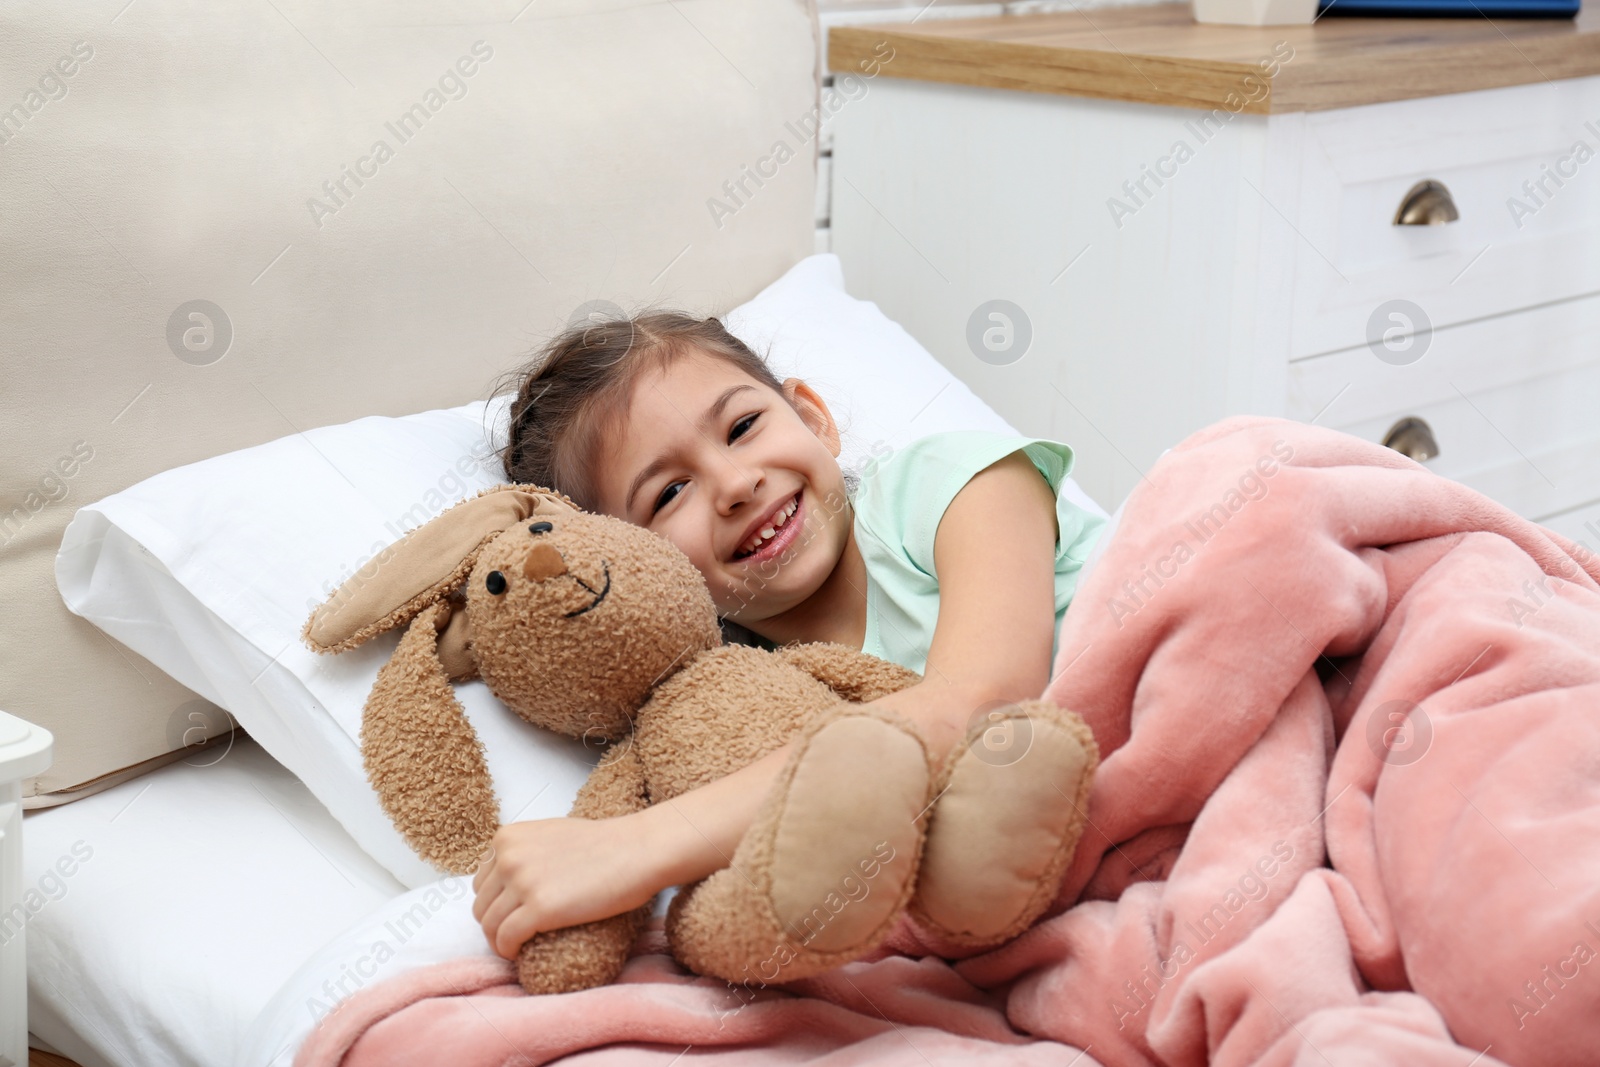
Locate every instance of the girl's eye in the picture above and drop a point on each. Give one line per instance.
(666, 495)
(738, 430)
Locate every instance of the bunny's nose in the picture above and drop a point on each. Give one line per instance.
(544, 561)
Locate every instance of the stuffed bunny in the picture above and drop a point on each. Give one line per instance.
(601, 630)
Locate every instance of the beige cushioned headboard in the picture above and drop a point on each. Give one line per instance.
(386, 204)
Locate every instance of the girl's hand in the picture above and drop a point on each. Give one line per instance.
(552, 873)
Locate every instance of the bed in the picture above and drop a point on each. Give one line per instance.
(206, 249)
(202, 887)
(211, 232)
(292, 878)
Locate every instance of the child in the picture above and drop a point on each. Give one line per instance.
(954, 556)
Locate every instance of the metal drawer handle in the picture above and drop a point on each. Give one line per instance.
(1413, 438)
(1427, 204)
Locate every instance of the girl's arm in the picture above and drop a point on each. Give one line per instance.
(994, 553)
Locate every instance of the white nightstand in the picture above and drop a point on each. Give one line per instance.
(1198, 221)
(24, 752)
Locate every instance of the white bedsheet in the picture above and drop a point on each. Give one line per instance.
(194, 893)
(429, 924)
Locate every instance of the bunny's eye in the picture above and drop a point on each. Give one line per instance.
(495, 583)
(540, 527)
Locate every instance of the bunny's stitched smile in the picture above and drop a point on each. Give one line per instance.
(601, 595)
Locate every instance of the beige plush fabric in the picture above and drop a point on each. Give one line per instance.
(983, 884)
(394, 586)
(595, 628)
(385, 205)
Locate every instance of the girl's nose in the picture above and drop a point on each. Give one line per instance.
(737, 485)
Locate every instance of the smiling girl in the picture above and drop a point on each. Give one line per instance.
(955, 556)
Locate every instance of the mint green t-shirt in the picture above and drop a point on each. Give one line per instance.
(898, 505)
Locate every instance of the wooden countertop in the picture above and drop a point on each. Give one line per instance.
(1158, 54)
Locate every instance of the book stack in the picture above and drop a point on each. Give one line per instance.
(1494, 9)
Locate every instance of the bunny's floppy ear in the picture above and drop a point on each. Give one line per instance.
(424, 567)
(423, 757)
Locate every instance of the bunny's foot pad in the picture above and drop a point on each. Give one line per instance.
(829, 865)
(1010, 812)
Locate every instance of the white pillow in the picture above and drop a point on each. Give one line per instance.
(883, 387)
(210, 570)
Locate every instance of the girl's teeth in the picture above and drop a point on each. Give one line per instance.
(767, 532)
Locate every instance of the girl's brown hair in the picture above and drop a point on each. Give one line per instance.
(577, 388)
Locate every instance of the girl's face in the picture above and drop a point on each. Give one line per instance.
(744, 484)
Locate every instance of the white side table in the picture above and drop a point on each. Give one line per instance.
(1118, 227)
(25, 750)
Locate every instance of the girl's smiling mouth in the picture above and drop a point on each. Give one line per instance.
(774, 534)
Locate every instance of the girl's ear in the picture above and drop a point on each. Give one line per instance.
(813, 412)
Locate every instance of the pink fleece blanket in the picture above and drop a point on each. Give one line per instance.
(1348, 813)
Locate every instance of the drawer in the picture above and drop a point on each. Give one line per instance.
(1512, 418)
(1356, 165)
